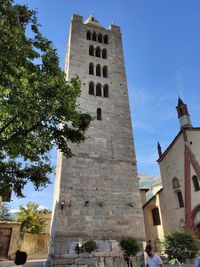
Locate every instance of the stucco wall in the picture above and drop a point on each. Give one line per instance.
(15, 236)
(194, 141)
(172, 166)
(34, 243)
(153, 232)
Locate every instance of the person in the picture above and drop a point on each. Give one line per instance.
(148, 245)
(20, 258)
(128, 260)
(152, 260)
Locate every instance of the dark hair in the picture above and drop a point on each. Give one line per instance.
(20, 257)
(148, 248)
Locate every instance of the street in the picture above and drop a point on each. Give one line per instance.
(30, 263)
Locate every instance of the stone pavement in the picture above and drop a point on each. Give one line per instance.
(39, 255)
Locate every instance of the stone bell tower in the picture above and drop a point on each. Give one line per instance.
(97, 190)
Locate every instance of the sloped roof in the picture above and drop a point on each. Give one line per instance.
(92, 20)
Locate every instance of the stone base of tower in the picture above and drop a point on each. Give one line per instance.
(108, 254)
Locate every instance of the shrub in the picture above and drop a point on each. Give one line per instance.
(180, 246)
(129, 245)
(89, 246)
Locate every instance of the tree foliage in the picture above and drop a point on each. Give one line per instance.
(88, 247)
(5, 214)
(180, 246)
(44, 211)
(30, 219)
(34, 100)
(129, 245)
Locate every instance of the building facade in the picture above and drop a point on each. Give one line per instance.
(177, 205)
(97, 190)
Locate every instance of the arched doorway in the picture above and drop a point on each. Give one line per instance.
(196, 220)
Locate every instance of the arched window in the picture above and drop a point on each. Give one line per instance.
(198, 229)
(175, 183)
(197, 217)
(105, 91)
(156, 216)
(99, 114)
(98, 52)
(105, 39)
(105, 71)
(91, 88)
(180, 199)
(104, 53)
(196, 220)
(196, 183)
(100, 38)
(91, 68)
(98, 70)
(94, 36)
(88, 35)
(98, 89)
(91, 50)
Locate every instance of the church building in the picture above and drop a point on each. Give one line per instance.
(176, 206)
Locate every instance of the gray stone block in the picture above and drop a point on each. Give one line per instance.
(103, 246)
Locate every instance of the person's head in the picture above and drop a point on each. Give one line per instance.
(149, 251)
(149, 242)
(20, 257)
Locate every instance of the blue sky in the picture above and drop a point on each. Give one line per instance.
(161, 40)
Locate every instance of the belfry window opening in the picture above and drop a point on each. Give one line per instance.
(105, 91)
(98, 52)
(99, 114)
(98, 70)
(88, 35)
(91, 69)
(98, 89)
(91, 50)
(91, 88)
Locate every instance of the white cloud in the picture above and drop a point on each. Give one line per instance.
(14, 210)
(41, 207)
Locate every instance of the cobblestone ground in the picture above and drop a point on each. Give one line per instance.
(31, 263)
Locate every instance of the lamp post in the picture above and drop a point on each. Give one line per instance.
(80, 243)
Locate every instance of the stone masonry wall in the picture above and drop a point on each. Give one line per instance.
(99, 185)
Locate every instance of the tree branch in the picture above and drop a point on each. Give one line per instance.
(23, 133)
(6, 126)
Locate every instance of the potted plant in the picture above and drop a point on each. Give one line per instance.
(180, 246)
(130, 247)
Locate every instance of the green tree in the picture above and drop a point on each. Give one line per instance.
(44, 211)
(129, 245)
(35, 99)
(180, 246)
(30, 219)
(5, 214)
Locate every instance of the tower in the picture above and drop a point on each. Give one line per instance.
(97, 190)
(183, 114)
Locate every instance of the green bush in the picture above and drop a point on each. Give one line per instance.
(89, 246)
(129, 245)
(180, 246)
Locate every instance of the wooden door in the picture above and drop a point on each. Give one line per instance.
(5, 235)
